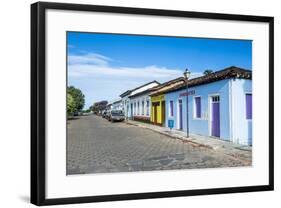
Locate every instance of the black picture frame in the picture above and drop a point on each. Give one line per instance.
(38, 102)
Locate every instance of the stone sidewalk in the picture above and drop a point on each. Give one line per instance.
(237, 151)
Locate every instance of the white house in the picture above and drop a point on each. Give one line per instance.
(125, 102)
(117, 105)
(140, 93)
(140, 105)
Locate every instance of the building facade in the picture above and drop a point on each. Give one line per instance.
(219, 105)
(140, 106)
(158, 109)
(132, 100)
(117, 105)
(126, 103)
(158, 102)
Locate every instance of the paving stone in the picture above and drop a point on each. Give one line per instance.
(207, 158)
(151, 163)
(97, 146)
(158, 158)
(165, 161)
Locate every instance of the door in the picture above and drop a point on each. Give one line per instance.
(163, 112)
(216, 116)
(180, 114)
(155, 113)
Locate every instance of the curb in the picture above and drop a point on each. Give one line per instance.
(183, 139)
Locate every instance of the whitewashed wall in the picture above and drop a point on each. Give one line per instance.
(142, 110)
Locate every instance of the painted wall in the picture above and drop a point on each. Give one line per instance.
(233, 123)
(242, 128)
(158, 109)
(126, 106)
(127, 101)
(200, 126)
(117, 106)
(144, 110)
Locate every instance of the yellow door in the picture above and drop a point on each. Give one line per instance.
(158, 113)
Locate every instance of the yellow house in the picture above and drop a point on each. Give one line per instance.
(158, 109)
(157, 115)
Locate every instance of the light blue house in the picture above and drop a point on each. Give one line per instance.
(219, 105)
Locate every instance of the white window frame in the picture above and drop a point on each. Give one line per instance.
(210, 101)
(170, 112)
(195, 109)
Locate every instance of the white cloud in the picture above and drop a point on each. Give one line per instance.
(99, 80)
(88, 59)
(96, 65)
(195, 75)
(86, 70)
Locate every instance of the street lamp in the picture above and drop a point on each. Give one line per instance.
(186, 75)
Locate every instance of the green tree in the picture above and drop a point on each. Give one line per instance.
(70, 104)
(78, 97)
(99, 106)
(207, 71)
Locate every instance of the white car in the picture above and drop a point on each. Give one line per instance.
(116, 115)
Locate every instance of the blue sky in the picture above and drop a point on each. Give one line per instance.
(105, 65)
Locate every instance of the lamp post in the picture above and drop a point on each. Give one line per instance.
(186, 75)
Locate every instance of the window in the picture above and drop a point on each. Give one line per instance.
(138, 108)
(142, 108)
(197, 107)
(147, 107)
(171, 108)
(248, 106)
(135, 108)
(216, 99)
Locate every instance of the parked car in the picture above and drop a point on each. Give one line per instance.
(116, 115)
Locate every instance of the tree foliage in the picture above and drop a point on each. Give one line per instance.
(78, 98)
(99, 106)
(70, 104)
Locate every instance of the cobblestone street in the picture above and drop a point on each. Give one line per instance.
(95, 145)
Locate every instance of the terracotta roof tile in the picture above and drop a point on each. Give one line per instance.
(230, 72)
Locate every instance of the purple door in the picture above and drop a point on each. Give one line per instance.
(216, 117)
(180, 113)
